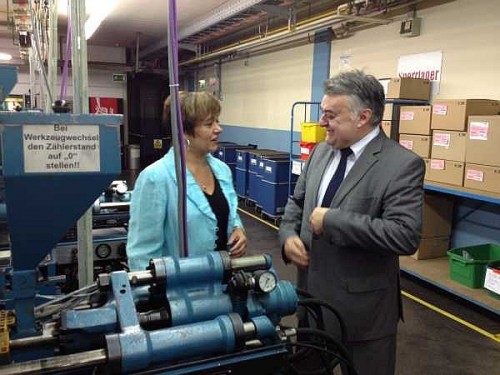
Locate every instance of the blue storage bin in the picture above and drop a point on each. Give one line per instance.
(241, 181)
(242, 159)
(273, 197)
(228, 153)
(252, 162)
(255, 156)
(277, 155)
(254, 182)
(221, 144)
(277, 170)
(232, 166)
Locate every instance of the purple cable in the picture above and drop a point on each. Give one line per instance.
(64, 82)
(174, 91)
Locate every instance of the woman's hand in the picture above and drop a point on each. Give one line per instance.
(237, 242)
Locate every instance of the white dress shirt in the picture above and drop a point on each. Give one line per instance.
(357, 149)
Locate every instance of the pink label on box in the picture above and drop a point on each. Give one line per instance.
(406, 143)
(406, 116)
(441, 139)
(492, 279)
(478, 130)
(437, 164)
(440, 109)
(474, 175)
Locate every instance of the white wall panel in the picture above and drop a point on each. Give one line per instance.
(466, 31)
(259, 92)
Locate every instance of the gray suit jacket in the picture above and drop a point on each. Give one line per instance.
(375, 216)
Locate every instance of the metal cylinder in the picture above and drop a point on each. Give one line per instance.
(140, 277)
(251, 263)
(57, 364)
(32, 342)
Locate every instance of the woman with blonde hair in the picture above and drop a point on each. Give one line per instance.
(213, 222)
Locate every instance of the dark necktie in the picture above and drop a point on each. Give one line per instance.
(337, 178)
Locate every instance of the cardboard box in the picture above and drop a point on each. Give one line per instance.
(435, 247)
(415, 119)
(453, 114)
(409, 88)
(388, 108)
(446, 172)
(427, 162)
(483, 140)
(482, 177)
(386, 127)
(448, 145)
(437, 215)
(419, 144)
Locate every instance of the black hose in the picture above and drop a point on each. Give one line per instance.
(304, 348)
(304, 293)
(328, 368)
(326, 305)
(301, 353)
(316, 314)
(344, 354)
(319, 315)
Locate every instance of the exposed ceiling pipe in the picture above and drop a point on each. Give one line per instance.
(316, 23)
(225, 11)
(287, 34)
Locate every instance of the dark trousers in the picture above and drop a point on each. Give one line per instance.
(374, 357)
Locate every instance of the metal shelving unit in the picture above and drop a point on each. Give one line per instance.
(436, 271)
(478, 195)
(309, 108)
(397, 103)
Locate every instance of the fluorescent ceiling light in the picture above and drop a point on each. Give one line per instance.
(5, 56)
(97, 11)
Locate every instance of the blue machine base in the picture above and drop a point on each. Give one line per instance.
(268, 360)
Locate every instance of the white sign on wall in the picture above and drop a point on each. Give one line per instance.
(61, 148)
(423, 65)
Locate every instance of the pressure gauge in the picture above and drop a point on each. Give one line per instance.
(103, 251)
(121, 188)
(265, 281)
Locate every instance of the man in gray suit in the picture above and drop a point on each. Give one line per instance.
(346, 248)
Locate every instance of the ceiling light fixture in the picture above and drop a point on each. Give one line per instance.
(5, 56)
(97, 11)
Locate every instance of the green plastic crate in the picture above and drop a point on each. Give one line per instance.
(468, 264)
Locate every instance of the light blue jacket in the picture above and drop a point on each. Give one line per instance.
(153, 225)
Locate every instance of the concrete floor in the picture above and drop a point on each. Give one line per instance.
(428, 341)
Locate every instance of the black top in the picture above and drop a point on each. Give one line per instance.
(220, 208)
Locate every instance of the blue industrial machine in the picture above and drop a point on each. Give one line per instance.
(210, 314)
(108, 253)
(111, 208)
(190, 315)
(53, 166)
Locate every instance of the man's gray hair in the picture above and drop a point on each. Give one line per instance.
(363, 91)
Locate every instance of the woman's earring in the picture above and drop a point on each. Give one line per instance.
(188, 142)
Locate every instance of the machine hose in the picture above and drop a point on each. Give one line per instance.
(343, 355)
